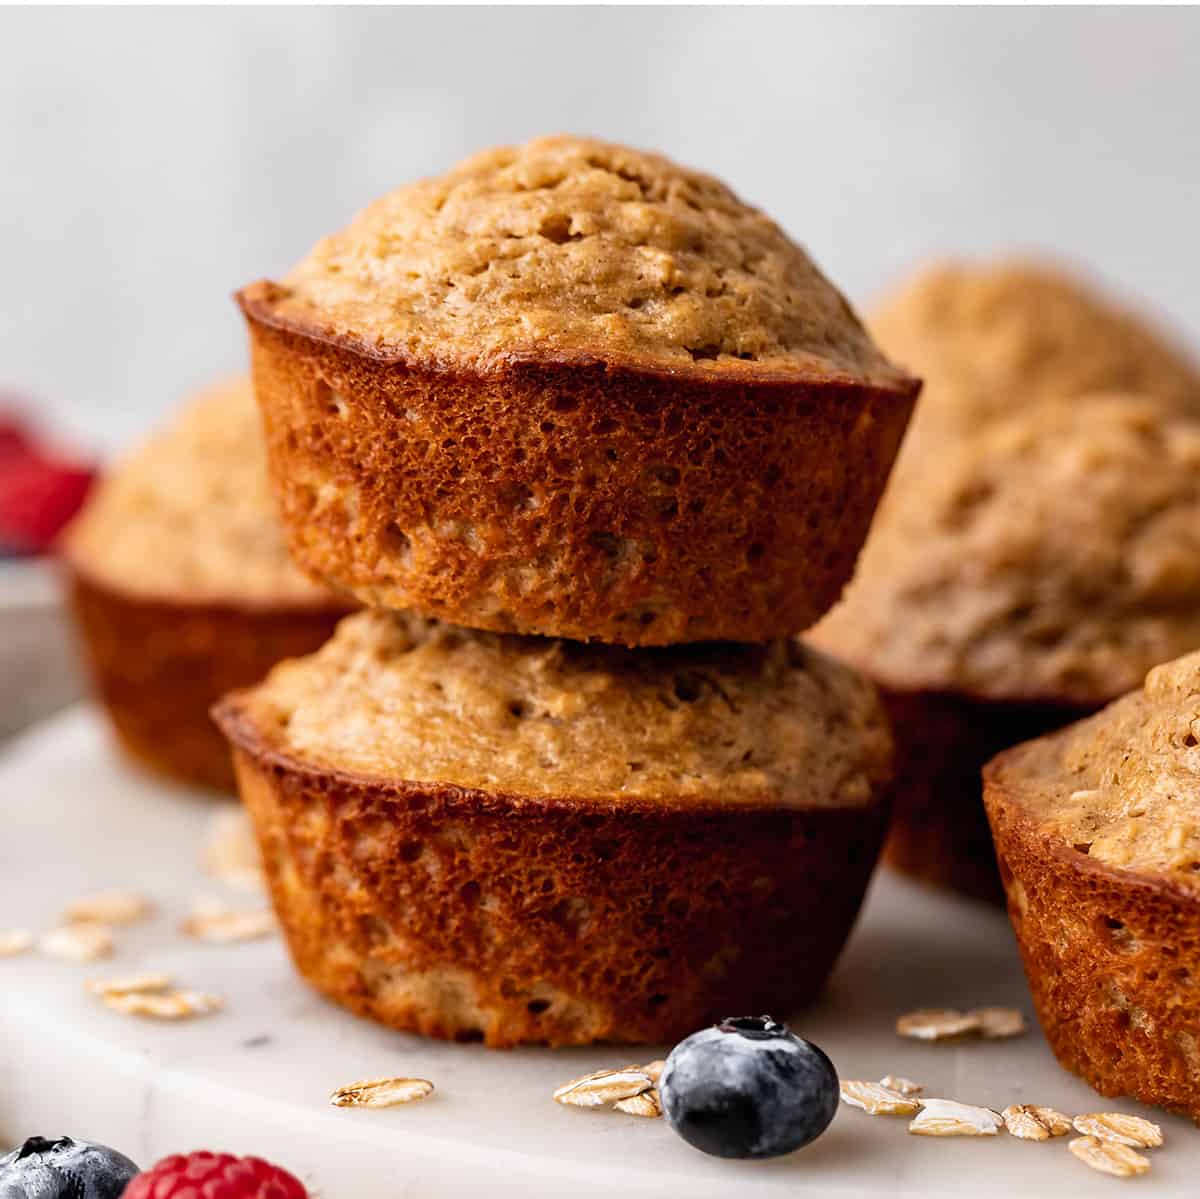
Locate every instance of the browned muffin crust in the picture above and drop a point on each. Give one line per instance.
(665, 427)
(1100, 856)
(472, 892)
(1032, 572)
(159, 666)
(181, 587)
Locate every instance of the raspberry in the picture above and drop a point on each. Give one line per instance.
(14, 441)
(205, 1175)
(37, 498)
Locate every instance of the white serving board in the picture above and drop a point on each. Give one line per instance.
(255, 1078)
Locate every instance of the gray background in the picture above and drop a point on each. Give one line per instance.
(153, 160)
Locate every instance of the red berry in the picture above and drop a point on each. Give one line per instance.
(205, 1175)
(37, 498)
(14, 441)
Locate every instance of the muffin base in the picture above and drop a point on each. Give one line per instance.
(572, 498)
(158, 667)
(939, 832)
(1111, 957)
(509, 919)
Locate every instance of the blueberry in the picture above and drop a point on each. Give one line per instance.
(64, 1169)
(748, 1087)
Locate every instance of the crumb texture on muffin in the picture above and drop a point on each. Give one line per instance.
(397, 698)
(1054, 554)
(988, 338)
(1121, 786)
(189, 516)
(578, 248)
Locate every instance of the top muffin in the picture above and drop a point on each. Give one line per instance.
(572, 247)
(576, 390)
(188, 516)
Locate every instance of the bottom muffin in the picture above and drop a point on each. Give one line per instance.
(509, 839)
(1099, 849)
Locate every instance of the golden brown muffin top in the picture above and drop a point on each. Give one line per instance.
(1124, 785)
(989, 338)
(1054, 555)
(578, 249)
(188, 516)
(397, 698)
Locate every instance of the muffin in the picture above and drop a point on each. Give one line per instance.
(574, 389)
(181, 587)
(1047, 563)
(992, 340)
(1099, 848)
(992, 337)
(483, 836)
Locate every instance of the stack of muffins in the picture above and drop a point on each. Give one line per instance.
(593, 440)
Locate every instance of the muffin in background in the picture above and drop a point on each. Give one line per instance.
(1099, 851)
(574, 389)
(481, 836)
(991, 337)
(1031, 574)
(182, 589)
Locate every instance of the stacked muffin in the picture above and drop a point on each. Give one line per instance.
(610, 422)
(1037, 549)
(182, 589)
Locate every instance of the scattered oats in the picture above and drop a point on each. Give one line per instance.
(996, 1023)
(78, 942)
(1124, 1130)
(897, 1082)
(945, 1118)
(937, 1023)
(653, 1070)
(130, 984)
(109, 907)
(1109, 1157)
(231, 853)
(168, 1005)
(209, 922)
(1030, 1122)
(604, 1087)
(645, 1104)
(877, 1100)
(381, 1092)
(14, 941)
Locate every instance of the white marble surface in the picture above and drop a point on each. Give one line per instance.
(255, 1078)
